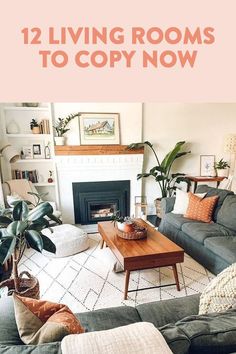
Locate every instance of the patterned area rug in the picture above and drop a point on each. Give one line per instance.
(86, 281)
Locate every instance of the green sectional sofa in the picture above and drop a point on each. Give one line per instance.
(177, 319)
(214, 244)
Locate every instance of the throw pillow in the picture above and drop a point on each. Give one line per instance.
(40, 321)
(220, 293)
(140, 337)
(182, 200)
(200, 209)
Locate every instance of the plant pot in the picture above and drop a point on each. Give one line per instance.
(35, 130)
(223, 172)
(28, 287)
(157, 203)
(59, 140)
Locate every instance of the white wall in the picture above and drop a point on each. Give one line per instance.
(202, 125)
(130, 118)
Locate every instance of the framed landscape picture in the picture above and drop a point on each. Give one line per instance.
(99, 128)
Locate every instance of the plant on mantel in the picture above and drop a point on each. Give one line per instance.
(161, 172)
(61, 128)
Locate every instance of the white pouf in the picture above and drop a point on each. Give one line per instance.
(68, 240)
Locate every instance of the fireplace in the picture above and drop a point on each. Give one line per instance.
(98, 201)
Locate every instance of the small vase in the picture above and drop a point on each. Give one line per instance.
(13, 128)
(59, 140)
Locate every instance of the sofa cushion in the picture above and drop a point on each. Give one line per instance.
(108, 318)
(221, 193)
(223, 247)
(8, 328)
(176, 220)
(199, 231)
(140, 337)
(220, 294)
(52, 348)
(162, 312)
(227, 213)
(208, 334)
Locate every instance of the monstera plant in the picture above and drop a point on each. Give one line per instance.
(21, 228)
(161, 172)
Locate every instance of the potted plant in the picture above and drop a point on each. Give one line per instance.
(123, 223)
(21, 228)
(161, 172)
(61, 128)
(222, 168)
(34, 126)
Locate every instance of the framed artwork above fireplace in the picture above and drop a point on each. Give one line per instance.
(99, 128)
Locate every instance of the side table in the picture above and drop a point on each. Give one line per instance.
(195, 180)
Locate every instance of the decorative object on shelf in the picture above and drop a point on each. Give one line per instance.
(207, 165)
(20, 228)
(61, 128)
(28, 151)
(222, 168)
(99, 128)
(34, 126)
(38, 151)
(30, 104)
(47, 152)
(22, 155)
(141, 207)
(31, 176)
(161, 172)
(13, 127)
(50, 179)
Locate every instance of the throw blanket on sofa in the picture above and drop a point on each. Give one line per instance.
(141, 337)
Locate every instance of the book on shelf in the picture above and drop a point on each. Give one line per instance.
(44, 127)
(31, 176)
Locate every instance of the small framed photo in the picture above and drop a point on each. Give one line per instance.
(207, 165)
(27, 152)
(99, 128)
(38, 152)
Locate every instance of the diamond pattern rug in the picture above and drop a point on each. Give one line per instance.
(85, 282)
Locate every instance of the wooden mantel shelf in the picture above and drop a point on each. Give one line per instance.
(95, 150)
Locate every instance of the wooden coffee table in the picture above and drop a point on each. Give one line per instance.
(153, 252)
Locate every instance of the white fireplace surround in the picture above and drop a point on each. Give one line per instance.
(95, 168)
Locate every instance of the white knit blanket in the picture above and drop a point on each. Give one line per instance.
(136, 338)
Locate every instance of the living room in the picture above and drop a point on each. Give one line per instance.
(89, 277)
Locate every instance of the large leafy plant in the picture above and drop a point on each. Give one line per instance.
(21, 227)
(161, 172)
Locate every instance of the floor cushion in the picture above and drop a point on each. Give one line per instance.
(68, 239)
(199, 231)
(228, 244)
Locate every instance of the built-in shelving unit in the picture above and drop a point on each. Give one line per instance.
(22, 137)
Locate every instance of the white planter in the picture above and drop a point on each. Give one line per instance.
(223, 173)
(59, 140)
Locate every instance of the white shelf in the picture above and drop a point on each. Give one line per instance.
(45, 184)
(33, 160)
(15, 108)
(33, 136)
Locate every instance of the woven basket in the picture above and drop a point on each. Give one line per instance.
(28, 287)
(137, 234)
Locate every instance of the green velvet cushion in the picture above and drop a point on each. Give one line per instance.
(212, 333)
(50, 348)
(8, 329)
(227, 213)
(108, 318)
(168, 311)
(199, 231)
(223, 247)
